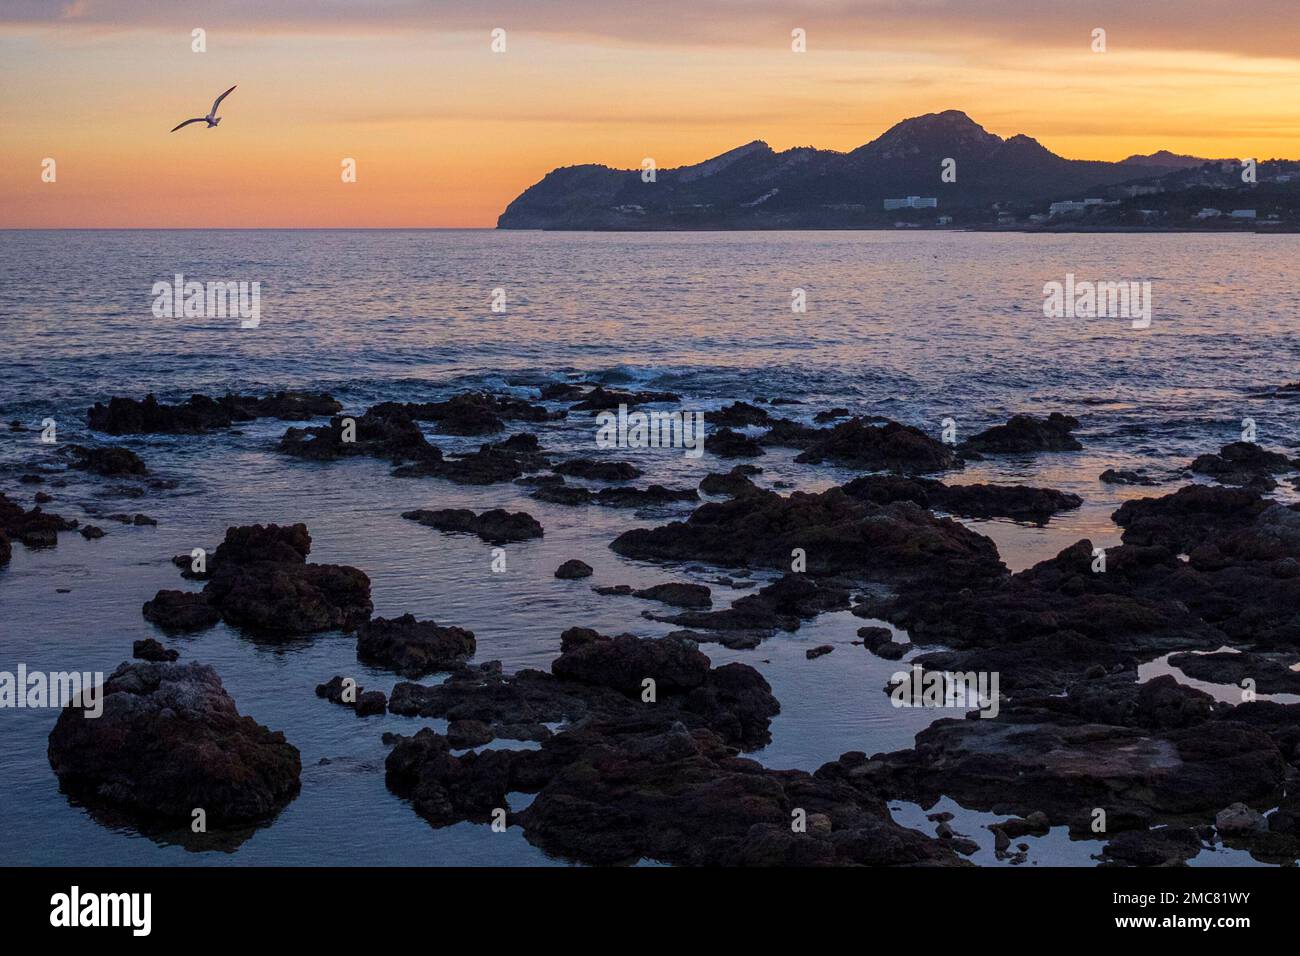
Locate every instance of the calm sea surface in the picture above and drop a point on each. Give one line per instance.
(914, 326)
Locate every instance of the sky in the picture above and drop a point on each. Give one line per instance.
(444, 131)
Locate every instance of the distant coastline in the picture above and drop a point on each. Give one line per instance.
(941, 170)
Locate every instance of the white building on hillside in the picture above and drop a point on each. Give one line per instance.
(912, 202)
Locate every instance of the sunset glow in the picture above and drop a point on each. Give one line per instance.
(445, 132)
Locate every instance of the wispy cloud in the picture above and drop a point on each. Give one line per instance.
(1263, 28)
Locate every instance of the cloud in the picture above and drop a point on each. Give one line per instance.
(1263, 28)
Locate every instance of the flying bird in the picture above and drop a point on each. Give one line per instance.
(212, 119)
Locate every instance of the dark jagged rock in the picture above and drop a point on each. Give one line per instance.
(821, 418)
(838, 534)
(887, 447)
(1187, 517)
(734, 483)
(1057, 615)
(364, 703)
(785, 433)
(181, 611)
(1244, 463)
(541, 481)
(390, 436)
(1025, 433)
(1169, 846)
(1112, 476)
(891, 650)
(259, 580)
(471, 413)
(615, 792)
(572, 569)
(150, 650)
(618, 497)
(662, 778)
(781, 605)
(91, 532)
(1037, 755)
(1271, 674)
(1018, 502)
(34, 528)
(875, 636)
(413, 648)
(735, 640)
(170, 741)
(127, 416)
(726, 443)
(678, 595)
(463, 734)
(496, 526)
(821, 650)
(286, 406)
(492, 463)
(738, 415)
(110, 462)
(562, 392)
(623, 663)
(598, 470)
(598, 678)
(602, 399)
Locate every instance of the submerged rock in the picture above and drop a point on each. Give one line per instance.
(471, 413)
(619, 497)
(34, 528)
(109, 462)
(170, 741)
(497, 526)
(678, 595)
(781, 605)
(726, 443)
(364, 702)
(1126, 477)
(150, 650)
(598, 470)
(602, 399)
(738, 415)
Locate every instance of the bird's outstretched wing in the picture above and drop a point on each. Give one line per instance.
(217, 101)
(197, 119)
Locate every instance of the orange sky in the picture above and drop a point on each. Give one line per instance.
(445, 132)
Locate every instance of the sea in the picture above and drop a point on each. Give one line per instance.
(916, 326)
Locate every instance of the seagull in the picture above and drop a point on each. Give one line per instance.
(212, 119)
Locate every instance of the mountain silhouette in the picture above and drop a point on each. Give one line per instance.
(756, 187)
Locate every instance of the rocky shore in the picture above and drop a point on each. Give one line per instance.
(641, 742)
